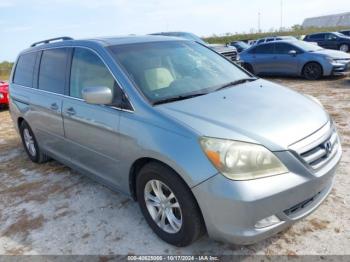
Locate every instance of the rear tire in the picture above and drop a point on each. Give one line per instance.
(31, 145)
(312, 71)
(168, 205)
(249, 68)
(344, 47)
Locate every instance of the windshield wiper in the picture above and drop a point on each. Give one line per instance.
(237, 82)
(177, 98)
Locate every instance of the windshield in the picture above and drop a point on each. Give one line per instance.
(340, 34)
(308, 47)
(193, 37)
(167, 69)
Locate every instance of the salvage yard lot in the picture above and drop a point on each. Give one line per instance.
(50, 209)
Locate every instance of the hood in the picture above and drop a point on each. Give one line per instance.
(258, 112)
(222, 48)
(333, 54)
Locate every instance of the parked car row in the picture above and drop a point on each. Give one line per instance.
(4, 93)
(295, 58)
(311, 58)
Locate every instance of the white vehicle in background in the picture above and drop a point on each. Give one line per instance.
(229, 52)
(274, 38)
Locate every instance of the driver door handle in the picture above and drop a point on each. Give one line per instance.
(70, 111)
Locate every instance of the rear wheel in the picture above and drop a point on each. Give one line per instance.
(344, 47)
(168, 205)
(30, 144)
(249, 68)
(312, 71)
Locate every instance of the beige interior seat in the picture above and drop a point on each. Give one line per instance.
(158, 78)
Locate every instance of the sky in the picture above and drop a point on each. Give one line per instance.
(23, 22)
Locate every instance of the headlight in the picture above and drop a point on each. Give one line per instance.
(241, 161)
(330, 60)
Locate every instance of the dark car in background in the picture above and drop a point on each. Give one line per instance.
(331, 40)
(295, 58)
(228, 51)
(240, 45)
(345, 32)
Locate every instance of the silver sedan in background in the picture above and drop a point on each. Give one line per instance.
(295, 58)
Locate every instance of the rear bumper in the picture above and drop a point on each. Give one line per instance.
(231, 209)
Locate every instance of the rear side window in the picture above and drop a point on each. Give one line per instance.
(24, 69)
(52, 74)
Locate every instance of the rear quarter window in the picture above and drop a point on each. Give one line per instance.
(24, 69)
(53, 66)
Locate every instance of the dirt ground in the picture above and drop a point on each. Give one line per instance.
(50, 209)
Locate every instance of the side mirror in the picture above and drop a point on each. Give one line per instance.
(292, 52)
(100, 95)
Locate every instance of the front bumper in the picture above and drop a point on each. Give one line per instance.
(231, 209)
(340, 69)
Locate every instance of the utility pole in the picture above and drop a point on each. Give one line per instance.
(259, 28)
(281, 15)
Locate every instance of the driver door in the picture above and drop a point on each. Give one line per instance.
(92, 131)
(284, 62)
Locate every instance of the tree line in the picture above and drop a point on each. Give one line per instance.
(5, 70)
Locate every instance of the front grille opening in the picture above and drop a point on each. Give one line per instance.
(301, 205)
(319, 155)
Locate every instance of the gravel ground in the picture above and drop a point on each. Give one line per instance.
(50, 209)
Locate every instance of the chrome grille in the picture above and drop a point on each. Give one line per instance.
(231, 55)
(320, 148)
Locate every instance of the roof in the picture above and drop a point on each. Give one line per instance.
(104, 41)
(131, 39)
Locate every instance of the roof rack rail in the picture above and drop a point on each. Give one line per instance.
(63, 38)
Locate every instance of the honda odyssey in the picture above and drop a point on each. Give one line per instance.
(200, 143)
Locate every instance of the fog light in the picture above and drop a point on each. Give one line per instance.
(268, 221)
(1, 96)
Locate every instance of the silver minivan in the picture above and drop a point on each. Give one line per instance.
(200, 143)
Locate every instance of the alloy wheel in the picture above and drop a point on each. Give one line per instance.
(29, 142)
(163, 206)
(312, 71)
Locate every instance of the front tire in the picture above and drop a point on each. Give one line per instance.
(312, 71)
(344, 47)
(168, 205)
(31, 145)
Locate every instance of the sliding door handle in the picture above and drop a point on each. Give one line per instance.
(54, 107)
